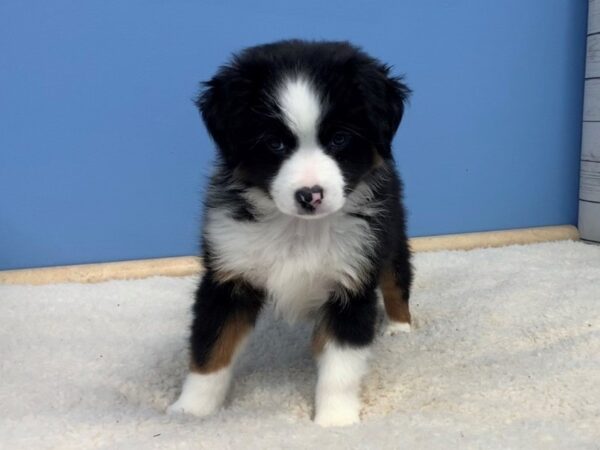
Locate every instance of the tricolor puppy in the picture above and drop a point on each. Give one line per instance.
(304, 212)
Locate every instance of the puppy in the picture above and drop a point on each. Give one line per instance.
(304, 211)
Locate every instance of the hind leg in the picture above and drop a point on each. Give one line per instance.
(395, 284)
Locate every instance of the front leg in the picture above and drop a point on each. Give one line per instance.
(224, 314)
(341, 343)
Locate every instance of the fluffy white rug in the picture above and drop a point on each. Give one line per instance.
(505, 352)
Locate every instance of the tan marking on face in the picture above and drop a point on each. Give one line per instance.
(377, 159)
(230, 336)
(396, 305)
(238, 174)
(223, 276)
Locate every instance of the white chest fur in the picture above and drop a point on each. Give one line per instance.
(298, 262)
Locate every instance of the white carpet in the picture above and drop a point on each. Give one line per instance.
(505, 353)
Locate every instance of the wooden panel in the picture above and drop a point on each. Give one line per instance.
(590, 141)
(592, 63)
(589, 181)
(591, 100)
(594, 16)
(589, 221)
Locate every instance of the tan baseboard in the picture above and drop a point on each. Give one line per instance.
(190, 265)
(468, 241)
(94, 273)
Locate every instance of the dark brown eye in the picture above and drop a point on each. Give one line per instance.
(275, 144)
(339, 140)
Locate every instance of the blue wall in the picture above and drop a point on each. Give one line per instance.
(103, 156)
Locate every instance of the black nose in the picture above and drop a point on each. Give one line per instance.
(309, 197)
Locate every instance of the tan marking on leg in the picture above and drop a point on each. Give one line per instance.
(320, 338)
(229, 339)
(395, 304)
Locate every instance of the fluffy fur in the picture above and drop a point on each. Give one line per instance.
(303, 211)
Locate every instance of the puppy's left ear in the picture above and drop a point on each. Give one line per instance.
(386, 97)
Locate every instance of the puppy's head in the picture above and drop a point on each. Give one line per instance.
(303, 121)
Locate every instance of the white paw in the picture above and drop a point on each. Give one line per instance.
(394, 327)
(194, 409)
(202, 395)
(337, 399)
(337, 417)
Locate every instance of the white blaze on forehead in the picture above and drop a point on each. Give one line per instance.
(308, 164)
(301, 107)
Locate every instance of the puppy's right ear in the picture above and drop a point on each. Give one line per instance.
(221, 105)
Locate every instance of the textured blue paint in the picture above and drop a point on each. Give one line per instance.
(103, 157)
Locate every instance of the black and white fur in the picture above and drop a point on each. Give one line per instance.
(303, 211)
